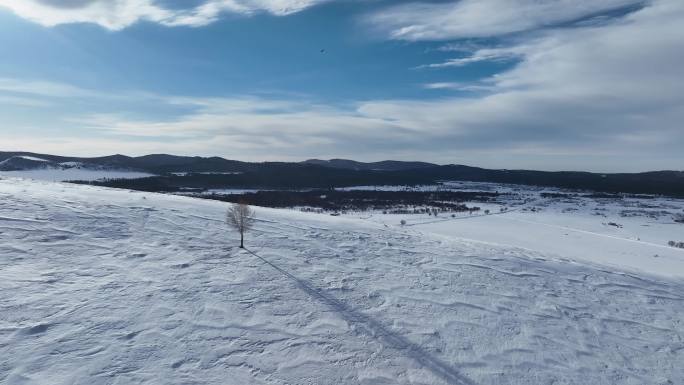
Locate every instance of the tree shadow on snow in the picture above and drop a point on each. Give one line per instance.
(370, 327)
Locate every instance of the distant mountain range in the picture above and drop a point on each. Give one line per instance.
(385, 165)
(163, 163)
(157, 163)
(27, 162)
(177, 172)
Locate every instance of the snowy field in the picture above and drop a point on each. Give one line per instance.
(105, 286)
(628, 233)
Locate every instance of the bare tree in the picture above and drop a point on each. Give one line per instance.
(240, 217)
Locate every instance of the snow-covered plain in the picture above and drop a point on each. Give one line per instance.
(103, 286)
(627, 233)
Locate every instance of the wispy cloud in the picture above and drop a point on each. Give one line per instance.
(483, 18)
(42, 88)
(480, 55)
(119, 14)
(443, 86)
(456, 86)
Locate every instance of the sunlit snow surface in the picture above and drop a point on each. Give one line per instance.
(113, 287)
(630, 233)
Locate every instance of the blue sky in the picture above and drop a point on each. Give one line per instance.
(543, 84)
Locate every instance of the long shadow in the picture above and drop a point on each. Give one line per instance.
(375, 329)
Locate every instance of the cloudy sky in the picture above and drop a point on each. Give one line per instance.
(545, 84)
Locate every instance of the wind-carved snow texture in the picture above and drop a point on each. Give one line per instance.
(112, 287)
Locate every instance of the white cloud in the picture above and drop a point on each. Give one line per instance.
(119, 14)
(483, 18)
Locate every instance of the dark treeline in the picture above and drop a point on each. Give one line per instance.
(658, 182)
(277, 176)
(282, 175)
(285, 176)
(405, 201)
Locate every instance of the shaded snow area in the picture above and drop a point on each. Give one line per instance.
(105, 286)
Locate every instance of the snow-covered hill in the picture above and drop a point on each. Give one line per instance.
(42, 169)
(20, 163)
(105, 286)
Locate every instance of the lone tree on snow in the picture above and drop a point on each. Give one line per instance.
(240, 217)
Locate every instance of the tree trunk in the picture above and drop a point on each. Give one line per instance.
(242, 239)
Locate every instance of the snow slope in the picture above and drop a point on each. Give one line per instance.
(571, 237)
(105, 286)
